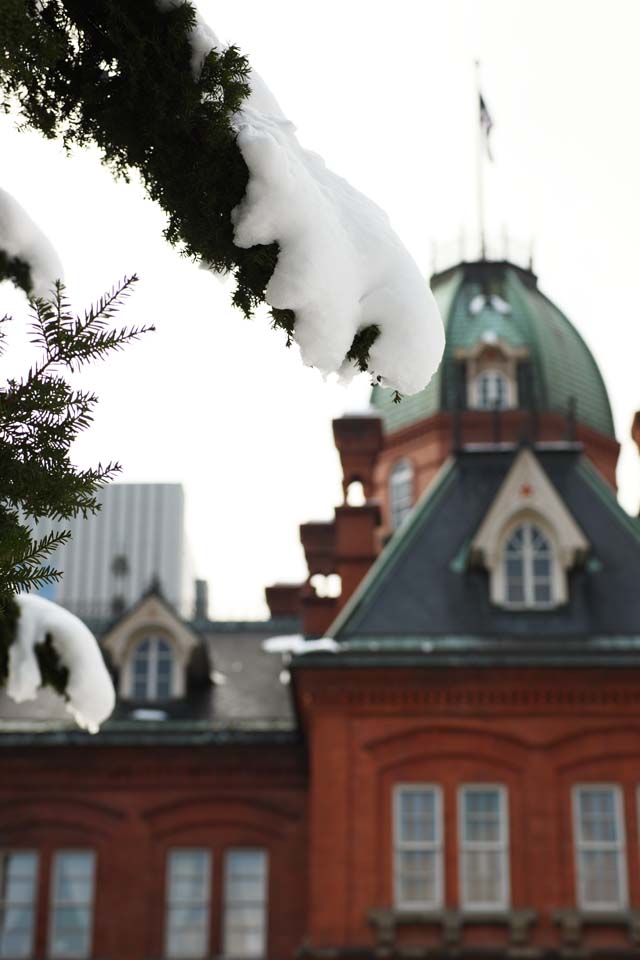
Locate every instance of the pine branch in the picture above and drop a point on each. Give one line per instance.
(41, 414)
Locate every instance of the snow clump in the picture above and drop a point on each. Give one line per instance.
(296, 644)
(21, 237)
(91, 697)
(341, 267)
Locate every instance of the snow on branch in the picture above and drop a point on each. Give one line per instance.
(23, 240)
(89, 690)
(341, 268)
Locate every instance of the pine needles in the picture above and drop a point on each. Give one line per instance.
(41, 414)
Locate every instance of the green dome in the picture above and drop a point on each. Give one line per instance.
(485, 302)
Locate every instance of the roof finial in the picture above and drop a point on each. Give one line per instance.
(485, 124)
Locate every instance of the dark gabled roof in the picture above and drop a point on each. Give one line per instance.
(422, 588)
(246, 702)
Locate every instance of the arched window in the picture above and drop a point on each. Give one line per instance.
(400, 493)
(492, 390)
(528, 568)
(152, 669)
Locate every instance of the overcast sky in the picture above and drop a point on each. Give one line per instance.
(385, 92)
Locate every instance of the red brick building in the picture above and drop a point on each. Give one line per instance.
(454, 772)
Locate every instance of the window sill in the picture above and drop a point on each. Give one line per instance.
(572, 922)
(451, 923)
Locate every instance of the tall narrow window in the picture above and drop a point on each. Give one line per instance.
(152, 669)
(18, 870)
(528, 568)
(484, 848)
(72, 904)
(492, 390)
(418, 846)
(400, 493)
(245, 904)
(188, 895)
(600, 847)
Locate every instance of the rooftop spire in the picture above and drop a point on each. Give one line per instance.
(485, 125)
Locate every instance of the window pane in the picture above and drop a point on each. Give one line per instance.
(516, 540)
(515, 591)
(482, 816)
(245, 903)
(400, 492)
(601, 856)
(417, 816)
(542, 566)
(16, 868)
(73, 879)
(542, 593)
(482, 876)
(539, 541)
(70, 943)
(484, 849)
(17, 903)
(417, 880)
(601, 877)
(244, 943)
(187, 915)
(15, 943)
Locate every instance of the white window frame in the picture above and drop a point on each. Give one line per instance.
(228, 903)
(620, 847)
(501, 846)
(558, 589)
(152, 675)
(205, 901)
(54, 903)
(33, 905)
(401, 481)
(435, 846)
(507, 382)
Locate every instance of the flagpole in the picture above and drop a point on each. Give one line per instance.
(480, 169)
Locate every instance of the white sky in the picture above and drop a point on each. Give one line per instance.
(385, 92)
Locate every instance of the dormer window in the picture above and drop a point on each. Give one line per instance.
(400, 493)
(492, 391)
(152, 668)
(528, 568)
(528, 541)
(491, 372)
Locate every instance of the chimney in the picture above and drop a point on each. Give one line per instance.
(201, 607)
(283, 599)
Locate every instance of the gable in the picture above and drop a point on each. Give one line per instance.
(423, 584)
(526, 490)
(152, 613)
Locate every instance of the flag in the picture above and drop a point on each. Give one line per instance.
(486, 124)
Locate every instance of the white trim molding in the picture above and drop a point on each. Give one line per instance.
(491, 355)
(527, 496)
(592, 846)
(498, 847)
(404, 848)
(152, 617)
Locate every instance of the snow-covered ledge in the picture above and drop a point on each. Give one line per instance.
(90, 694)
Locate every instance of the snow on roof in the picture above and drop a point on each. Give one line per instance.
(296, 644)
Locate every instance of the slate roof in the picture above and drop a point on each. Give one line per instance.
(423, 595)
(562, 365)
(247, 702)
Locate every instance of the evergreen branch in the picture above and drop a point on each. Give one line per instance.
(41, 414)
